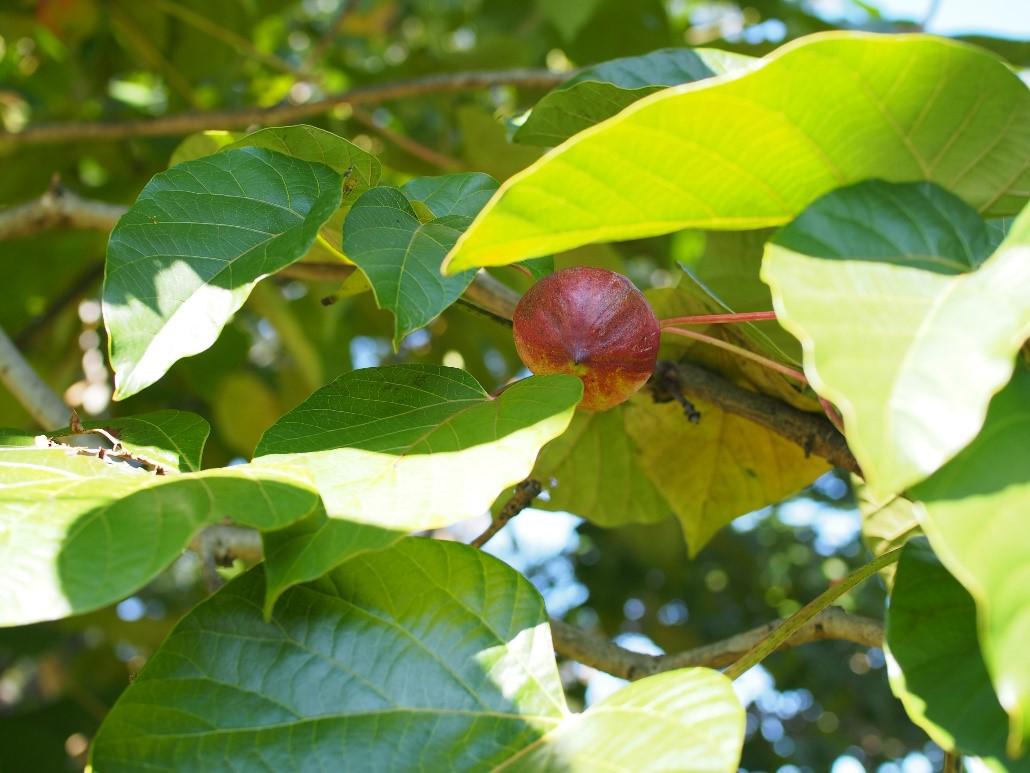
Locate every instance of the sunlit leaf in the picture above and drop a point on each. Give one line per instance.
(187, 253)
(903, 328)
(601, 91)
(753, 150)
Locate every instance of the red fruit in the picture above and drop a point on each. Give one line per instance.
(591, 323)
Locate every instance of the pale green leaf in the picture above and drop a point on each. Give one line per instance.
(601, 91)
(887, 523)
(643, 462)
(401, 257)
(974, 510)
(753, 150)
(187, 253)
(935, 665)
(78, 532)
(417, 446)
(201, 144)
(452, 194)
(908, 348)
(676, 722)
(427, 655)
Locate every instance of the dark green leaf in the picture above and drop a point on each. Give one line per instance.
(428, 655)
(601, 91)
(938, 672)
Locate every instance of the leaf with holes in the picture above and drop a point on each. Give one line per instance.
(935, 666)
(185, 256)
(426, 655)
(601, 91)
(172, 439)
(81, 532)
(753, 150)
(903, 328)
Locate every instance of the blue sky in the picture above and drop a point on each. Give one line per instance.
(1006, 18)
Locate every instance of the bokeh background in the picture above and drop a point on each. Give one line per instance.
(822, 707)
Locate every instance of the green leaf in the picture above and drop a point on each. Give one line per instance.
(80, 532)
(974, 511)
(417, 446)
(313, 546)
(908, 347)
(452, 194)
(601, 91)
(753, 150)
(935, 665)
(186, 255)
(359, 169)
(644, 462)
(427, 655)
(401, 257)
(172, 439)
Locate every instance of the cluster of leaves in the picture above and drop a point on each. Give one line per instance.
(888, 155)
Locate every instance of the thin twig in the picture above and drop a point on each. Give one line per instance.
(604, 655)
(525, 493)
(186, 123)
(407, 144)
(719, 319)
(740, 351)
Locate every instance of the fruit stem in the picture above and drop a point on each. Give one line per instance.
(719, 319)
(797, 375)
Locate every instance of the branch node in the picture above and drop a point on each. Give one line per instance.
(666, 386)
(525, 493)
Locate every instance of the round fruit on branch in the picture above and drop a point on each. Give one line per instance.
(590, 323)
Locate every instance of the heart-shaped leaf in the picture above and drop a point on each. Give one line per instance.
(601, 91)
(935, 665)
(974, 511)
(427, 655)
(753, 150)
(185, 256)
(900, 332)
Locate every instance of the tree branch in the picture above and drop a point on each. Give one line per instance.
(185, 123)
(58, 208)
(42, 403)
(607, 656)
(811, 431)
(525, 493)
